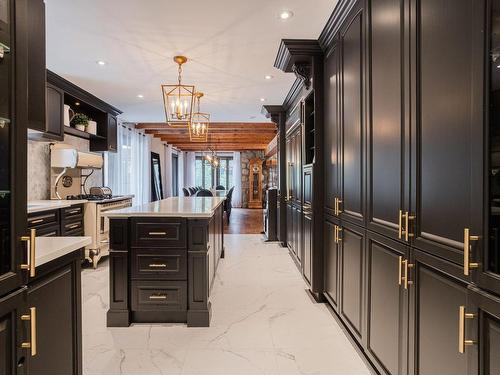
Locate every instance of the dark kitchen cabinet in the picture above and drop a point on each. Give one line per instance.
(447, 138)
(307, 244)
(55, 113)
(108, 140)
(13, 333)
(289, 229)
(436, 294)
(387, 301)
(352, 124)
(352, 240)
(483, 329)
(388, 143)
(36, 65)
(298, 235)
(331, 261)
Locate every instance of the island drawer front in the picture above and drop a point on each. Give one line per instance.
(73, 211)
(166, 264)
(159, 295)
(72, 226)
(38, 219)
(159, 232)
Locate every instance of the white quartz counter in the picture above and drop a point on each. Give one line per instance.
(54, 204)
(50, 248)
(198, 207)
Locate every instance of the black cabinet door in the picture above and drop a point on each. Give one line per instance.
(352, 154)
(13, 334)
(56, 323)
(331, 130)
(436, 293)
(331, 262)
(55, 112)
(37, 71)
(289, 227)
(484, 330)
(352, 277)
(297, 230)
(447, 137)
(112, 133)
(388, 164)
(307, 245)
(387, 304)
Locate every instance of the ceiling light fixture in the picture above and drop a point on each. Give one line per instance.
(262, 99)
(268, 77)
(286, 15)
(140, 96)
(198, 129)
(101, 62)
(178, 99)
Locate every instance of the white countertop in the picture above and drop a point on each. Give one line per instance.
(50, 248)
(54, 204)
(198, 207)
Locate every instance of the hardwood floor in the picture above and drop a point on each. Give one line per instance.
(244, 221)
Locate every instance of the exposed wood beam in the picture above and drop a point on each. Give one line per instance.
(213, 126)
(221, 146)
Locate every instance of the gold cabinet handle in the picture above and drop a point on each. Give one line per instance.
(339, 202)
(38, 221)
(32, 343)
(73, 212)
(400, 269)
(400, 228)
(468, 265)
(30, 265)
(73, 226)
(336, 234)
(408, 233)
(157, 233)
(158, 265)
(462, 341)
(406, 275)
(158, 296)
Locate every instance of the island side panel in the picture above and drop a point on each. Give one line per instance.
(119, 305)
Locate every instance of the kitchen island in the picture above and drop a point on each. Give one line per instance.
(163, 260)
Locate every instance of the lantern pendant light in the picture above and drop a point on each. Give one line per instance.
(178, 99)
(198, 129)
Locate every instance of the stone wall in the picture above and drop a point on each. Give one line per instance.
(246, 156)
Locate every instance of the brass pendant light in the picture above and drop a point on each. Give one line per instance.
(178, 99)
(198, 129)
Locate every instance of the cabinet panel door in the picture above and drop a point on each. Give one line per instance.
(307, 246)
(435, 297)
(387, 304)
(352, 277)
(331, 263)
(352, 124)
(55, 305)
(12, 333)
(112, 133)
(484, 328)
(289, 226)
(55, 112)
(387, 143)
(447, 194)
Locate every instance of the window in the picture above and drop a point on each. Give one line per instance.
(175, 175)
(209, 178)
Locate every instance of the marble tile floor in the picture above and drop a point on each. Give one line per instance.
(263, 323)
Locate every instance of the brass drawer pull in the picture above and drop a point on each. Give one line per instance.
(30, 265)
(462, 341)
(468, 265)
(158, 265)
(400, 269)
(157, 233)
(73, 226)
(337, 209)
(32, 343)
(77, 211)
(38, 221)
(158, 296)
(406, 275)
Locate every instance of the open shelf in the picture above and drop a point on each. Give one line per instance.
(81, 134)
(309, 127)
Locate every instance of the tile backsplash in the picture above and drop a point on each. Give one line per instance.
(39, 167)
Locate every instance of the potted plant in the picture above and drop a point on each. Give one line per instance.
(80, 121)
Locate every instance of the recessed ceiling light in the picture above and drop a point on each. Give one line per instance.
(262, 99)
(77, 103)
(286, 15)
(101, 62)
(268, 77)
(140, 96)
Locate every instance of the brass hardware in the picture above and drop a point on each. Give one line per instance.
(36, 221)
(73, 226)
(408, 217)
(337, 229)
(337, 210)
(33, 339)
(462, 341)
(339, 238)
(157, 233)
(400, 271)
(400, 232)
(468, 265)
(406, 276)
(158, 296)
(74, 212)
(30, 265)
(158, 265)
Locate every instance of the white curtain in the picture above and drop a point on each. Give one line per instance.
(168, 172)
(237, 179)
(180, 168)
(128, 170)
(190, 169)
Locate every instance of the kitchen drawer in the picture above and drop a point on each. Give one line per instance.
(39, 219)
(159, 232)
(73, 211)
(166, 264)
(159, 295)
(70, 226)
(50, 230)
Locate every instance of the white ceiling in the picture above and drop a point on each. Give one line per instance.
(231, 45)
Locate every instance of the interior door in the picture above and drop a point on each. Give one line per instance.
(447, 139)
(388, 168)
(387, 304)
(352, 169)
(331, 131)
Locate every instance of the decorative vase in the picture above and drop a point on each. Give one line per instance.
(80, 127)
